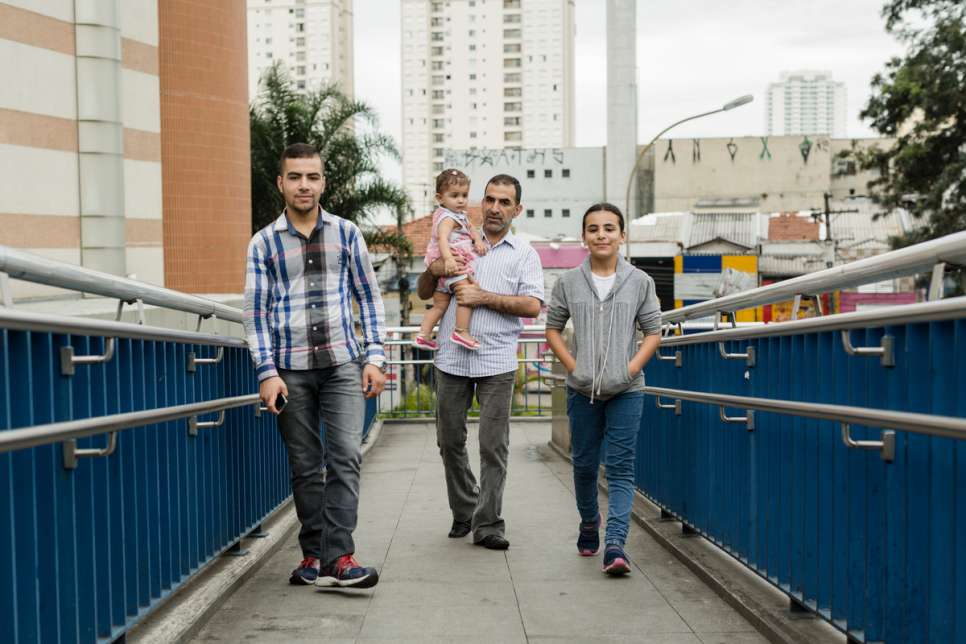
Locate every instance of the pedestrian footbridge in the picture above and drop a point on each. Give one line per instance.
(799, 481)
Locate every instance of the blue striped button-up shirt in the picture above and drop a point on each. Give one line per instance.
(511, 267)
(298, 309)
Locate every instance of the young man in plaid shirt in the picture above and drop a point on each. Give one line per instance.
(304, 271)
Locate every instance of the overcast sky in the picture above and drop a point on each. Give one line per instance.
(692, 56)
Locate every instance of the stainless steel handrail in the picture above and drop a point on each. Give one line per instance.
(27, 321)
(527, 328)
(14, 439)
(952, 308)
(947, 426)
(919, 258)
(33, 268)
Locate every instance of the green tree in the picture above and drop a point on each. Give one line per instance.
(327, 119)
(920, 99)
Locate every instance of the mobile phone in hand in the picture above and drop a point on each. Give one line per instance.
(280, 402)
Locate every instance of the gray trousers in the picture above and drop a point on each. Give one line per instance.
(326, 503)
(481, 504)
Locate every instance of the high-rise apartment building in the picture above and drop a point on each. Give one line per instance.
(482, 74)
(806, 102)
(312, 37)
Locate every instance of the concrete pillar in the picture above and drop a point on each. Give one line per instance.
(621, 101)
(100, 134)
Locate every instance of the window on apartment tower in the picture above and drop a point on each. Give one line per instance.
(565, 173)
(547, 212)
(530, 174)
(565, 212)
(529, 212)
(548, 173)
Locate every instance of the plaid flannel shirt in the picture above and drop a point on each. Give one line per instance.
(298, 309)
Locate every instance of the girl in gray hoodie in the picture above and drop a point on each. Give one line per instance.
(607, 299)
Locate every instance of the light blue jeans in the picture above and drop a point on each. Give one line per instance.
(617, 420)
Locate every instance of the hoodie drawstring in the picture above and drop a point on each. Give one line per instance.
(597, 381)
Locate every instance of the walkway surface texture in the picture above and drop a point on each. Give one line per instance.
(437, 589)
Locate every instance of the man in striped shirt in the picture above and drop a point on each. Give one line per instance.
(508, 285)
(304, 271)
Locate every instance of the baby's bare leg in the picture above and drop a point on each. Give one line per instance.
(432, 317)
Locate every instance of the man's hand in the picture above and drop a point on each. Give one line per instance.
(426, 283)
(439, 267)
(373, 380)
(268, 391)
(469, 293)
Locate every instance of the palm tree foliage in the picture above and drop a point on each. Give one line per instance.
(325, 118)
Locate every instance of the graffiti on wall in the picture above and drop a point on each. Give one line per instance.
(764, 149)
(732, 149)
(486, 157)
(670, 152)
(805, 147)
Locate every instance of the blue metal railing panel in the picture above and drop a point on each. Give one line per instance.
(120, 533)
(873, 547)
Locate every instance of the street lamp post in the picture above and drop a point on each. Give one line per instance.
(738, 102)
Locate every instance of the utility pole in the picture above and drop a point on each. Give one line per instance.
(828, 212)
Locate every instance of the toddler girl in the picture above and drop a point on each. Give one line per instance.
(452, 236)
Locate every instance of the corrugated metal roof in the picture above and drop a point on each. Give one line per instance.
(771, 265)
(863, 230)
(660, 228)
(737, 228)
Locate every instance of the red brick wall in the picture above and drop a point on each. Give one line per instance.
(204, 144)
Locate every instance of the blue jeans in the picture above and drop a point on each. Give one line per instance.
(616, 419)
(326, 502)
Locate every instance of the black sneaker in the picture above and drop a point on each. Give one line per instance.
(493, 542)
(306, 573)
(346, 572)
(459, 530)
(588, 538)
(615, 561)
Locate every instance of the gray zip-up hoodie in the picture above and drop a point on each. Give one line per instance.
(604, 331)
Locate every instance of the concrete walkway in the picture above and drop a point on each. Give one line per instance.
(437, 589)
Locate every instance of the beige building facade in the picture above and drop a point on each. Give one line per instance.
(124, 148)
(80, 142)
(751, 174)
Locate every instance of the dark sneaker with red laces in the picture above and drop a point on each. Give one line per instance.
(346, 572)
(306, 573)
(588, 538)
